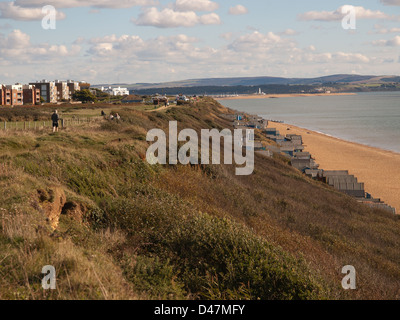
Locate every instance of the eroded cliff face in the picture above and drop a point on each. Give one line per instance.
(52, 202)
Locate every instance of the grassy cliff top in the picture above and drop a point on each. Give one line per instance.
(86, 201)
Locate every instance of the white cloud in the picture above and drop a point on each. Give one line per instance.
(226, 35)
(169, 18)
(18, 48)
(382, 30)
(16, 40)
(350, 57)
(337, 15)
(395, 42)
(9, 10)
(115, 4)
(210, 19)
(391, 2)
(195, 5)
(248, 54)
(259, 41)
(238, 10)
(289, 32)
(131, 58)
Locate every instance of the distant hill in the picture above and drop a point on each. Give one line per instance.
(257, 81)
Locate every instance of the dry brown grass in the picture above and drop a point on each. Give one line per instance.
(101, 165)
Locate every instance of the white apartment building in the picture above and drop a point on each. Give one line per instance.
(116, 91)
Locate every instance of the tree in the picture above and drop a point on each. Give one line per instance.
(84, 95)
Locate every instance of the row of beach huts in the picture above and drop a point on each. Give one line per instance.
(291, 146)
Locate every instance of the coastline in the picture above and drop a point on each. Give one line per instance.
(377, 168)
(288, 95)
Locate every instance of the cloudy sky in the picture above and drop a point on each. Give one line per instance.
(135, 41)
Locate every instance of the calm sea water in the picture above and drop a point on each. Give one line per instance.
(369, 118)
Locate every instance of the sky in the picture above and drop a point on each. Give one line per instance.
(150, 41)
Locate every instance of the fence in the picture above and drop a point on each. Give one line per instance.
(40, 125)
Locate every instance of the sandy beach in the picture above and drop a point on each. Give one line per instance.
(378, 169)
(271, 96)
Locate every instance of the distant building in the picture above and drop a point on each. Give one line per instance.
(31, 94)
(48, 90)
(5, 96)
(83, 85)
(62, 90)
(260, 92)
(34, 92)
(11, 95)
(73, 86)
(116, 91)
(132, 99)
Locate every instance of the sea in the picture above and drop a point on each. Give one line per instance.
(371, 118)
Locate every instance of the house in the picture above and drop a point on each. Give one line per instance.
(314, 173)
(277, 138)
(132, 99)
(48, 90)
(238, 123)
(301, 155)
(258, 124)
(73, 87)
(5, 96)
(265, 153)
(289, 150)
(11, 95)
(295, 139)
(271, 132)
(273, 149)
(304, 164)
(342, 181)
(157, 99)
(115, 91)
(31, 94)
(62, 90)
(257, 146)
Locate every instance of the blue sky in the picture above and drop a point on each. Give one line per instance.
(131, 41)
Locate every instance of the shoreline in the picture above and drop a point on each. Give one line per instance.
(377, 168)
(285, 95)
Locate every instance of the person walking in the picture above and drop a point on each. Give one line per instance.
(55, 118)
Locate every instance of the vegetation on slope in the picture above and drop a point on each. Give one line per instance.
(129, 230)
